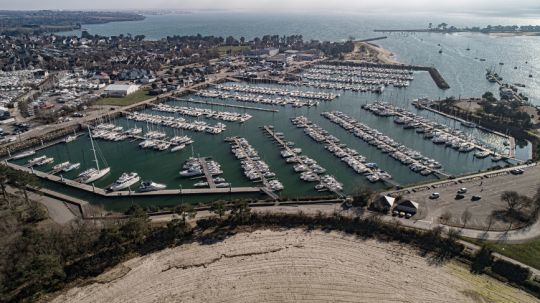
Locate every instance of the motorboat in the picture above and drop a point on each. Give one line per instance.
(61, 166)
(178, 148)
(23, 154)
(71, 167)
(149, 185)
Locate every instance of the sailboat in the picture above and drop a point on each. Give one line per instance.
(93, 174)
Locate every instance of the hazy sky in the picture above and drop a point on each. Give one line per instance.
(496, 7)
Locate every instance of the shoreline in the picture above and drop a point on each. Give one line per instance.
(374, 53)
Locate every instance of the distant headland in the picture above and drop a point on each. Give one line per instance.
(35, 22)
(504, 30)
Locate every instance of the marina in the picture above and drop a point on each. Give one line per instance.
(413, 159)
(201, 112)
(308, 168)
(348, 155)
(436, 132)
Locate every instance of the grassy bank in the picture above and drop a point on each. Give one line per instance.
(137, 96)
(526, 253)
(234, 49)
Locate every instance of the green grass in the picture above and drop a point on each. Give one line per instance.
(137, 96)
(222, 50)
(526, 253)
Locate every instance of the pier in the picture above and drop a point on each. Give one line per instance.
(227, 105)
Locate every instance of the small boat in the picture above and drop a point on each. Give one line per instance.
(71, 167)
(70, 139)
(222, 185)
(24, 154)
(201, 184)
(178, 147)
(125, 181)
(149, 185)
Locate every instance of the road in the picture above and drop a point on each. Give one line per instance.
(56, 209)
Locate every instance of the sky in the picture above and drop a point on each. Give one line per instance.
(495, 7)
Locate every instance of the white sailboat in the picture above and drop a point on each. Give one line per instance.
(97, 173)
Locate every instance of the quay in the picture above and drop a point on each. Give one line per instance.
(227, 105)
(44, 145)
(166, 192)
(433, 72)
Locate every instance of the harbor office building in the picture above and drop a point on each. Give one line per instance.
(120, 90)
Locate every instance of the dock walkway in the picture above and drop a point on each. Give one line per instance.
(207, 175)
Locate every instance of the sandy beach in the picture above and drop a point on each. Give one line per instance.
(291, 266)
(371, 52)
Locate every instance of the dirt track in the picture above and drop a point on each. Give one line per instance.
(291, 266)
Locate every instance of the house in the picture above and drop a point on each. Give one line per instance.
(120, 90)
(383, 204)
(407, 206)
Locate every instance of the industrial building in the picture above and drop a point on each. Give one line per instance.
(120, 90)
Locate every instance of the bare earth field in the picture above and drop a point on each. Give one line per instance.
(291, 266)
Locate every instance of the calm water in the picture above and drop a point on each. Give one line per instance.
(463, 72)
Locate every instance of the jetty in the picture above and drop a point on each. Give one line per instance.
(227, 105)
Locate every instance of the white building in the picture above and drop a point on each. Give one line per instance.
(120, 90)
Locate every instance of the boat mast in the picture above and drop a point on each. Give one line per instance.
(93, 148)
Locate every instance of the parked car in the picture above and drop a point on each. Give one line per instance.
(395, 213)
(401, 213)
(434, 196)
(462, 190)
(408, 215)
(459, 196)
(517, 171)
(476, 198)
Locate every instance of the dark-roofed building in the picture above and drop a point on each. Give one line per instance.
(407, 206)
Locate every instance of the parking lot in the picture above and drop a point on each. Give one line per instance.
(488, 186)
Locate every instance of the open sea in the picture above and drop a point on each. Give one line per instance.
(462, 70)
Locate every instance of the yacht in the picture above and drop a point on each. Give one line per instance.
(151, 186)
(94, 174)
(125, 181)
